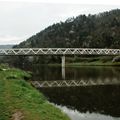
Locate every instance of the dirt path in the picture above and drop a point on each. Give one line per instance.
(17, 116)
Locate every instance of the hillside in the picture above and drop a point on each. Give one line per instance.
(101, 30)
(95, 31)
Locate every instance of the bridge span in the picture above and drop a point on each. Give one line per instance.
(58, 51)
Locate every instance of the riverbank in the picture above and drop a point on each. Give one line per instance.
(88, 61)
(78, 64)
(92, 61)
(20, 101)
(96, 63)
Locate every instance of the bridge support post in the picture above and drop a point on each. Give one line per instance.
(63, 61)
(63, 67)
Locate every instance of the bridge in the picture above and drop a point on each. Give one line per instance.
(58, 51)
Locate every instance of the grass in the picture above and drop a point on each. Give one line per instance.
(18, 96)
(88, 61)
(96, 63)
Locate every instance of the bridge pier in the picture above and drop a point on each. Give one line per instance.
(63, 67)
(63, 61)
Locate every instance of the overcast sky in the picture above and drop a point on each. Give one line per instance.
(20, 19)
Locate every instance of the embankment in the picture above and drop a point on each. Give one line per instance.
(20, 101)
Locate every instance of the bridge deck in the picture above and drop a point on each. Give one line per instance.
(59, 51)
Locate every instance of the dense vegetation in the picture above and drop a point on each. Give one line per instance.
(96, 31)
(20, 101)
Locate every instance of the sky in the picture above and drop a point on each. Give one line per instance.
(20, 19)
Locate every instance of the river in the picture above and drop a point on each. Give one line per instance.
(97, 102)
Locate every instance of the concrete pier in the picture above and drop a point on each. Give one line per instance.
(63, 61)
(63, 67)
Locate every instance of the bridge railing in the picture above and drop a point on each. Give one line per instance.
(59, 51)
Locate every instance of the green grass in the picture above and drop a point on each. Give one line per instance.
(17, 95)
(91, 61)
(96, 63)
(88, 61)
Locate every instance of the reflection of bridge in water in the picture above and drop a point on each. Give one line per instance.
(74, 83)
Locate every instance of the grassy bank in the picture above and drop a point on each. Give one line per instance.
(20, 101)
(96, 63)
(92, 61)
(88, 61)
(78, 64)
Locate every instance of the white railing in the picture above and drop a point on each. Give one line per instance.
(59, 51)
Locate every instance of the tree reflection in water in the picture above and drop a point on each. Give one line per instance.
(97, 99)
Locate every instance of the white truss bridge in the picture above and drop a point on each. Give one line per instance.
(59, 51)
(73, 83)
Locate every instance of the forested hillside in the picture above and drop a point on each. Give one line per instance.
(96, 31)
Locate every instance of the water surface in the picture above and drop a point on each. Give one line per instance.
(87, 102)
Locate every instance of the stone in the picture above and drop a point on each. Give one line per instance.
(116, 59)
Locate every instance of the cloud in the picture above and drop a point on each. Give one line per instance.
(11, 39)
(100, 2)
(20, 20)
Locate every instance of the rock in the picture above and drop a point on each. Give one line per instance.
(2, 69)
(17, 116)
(116, 59)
